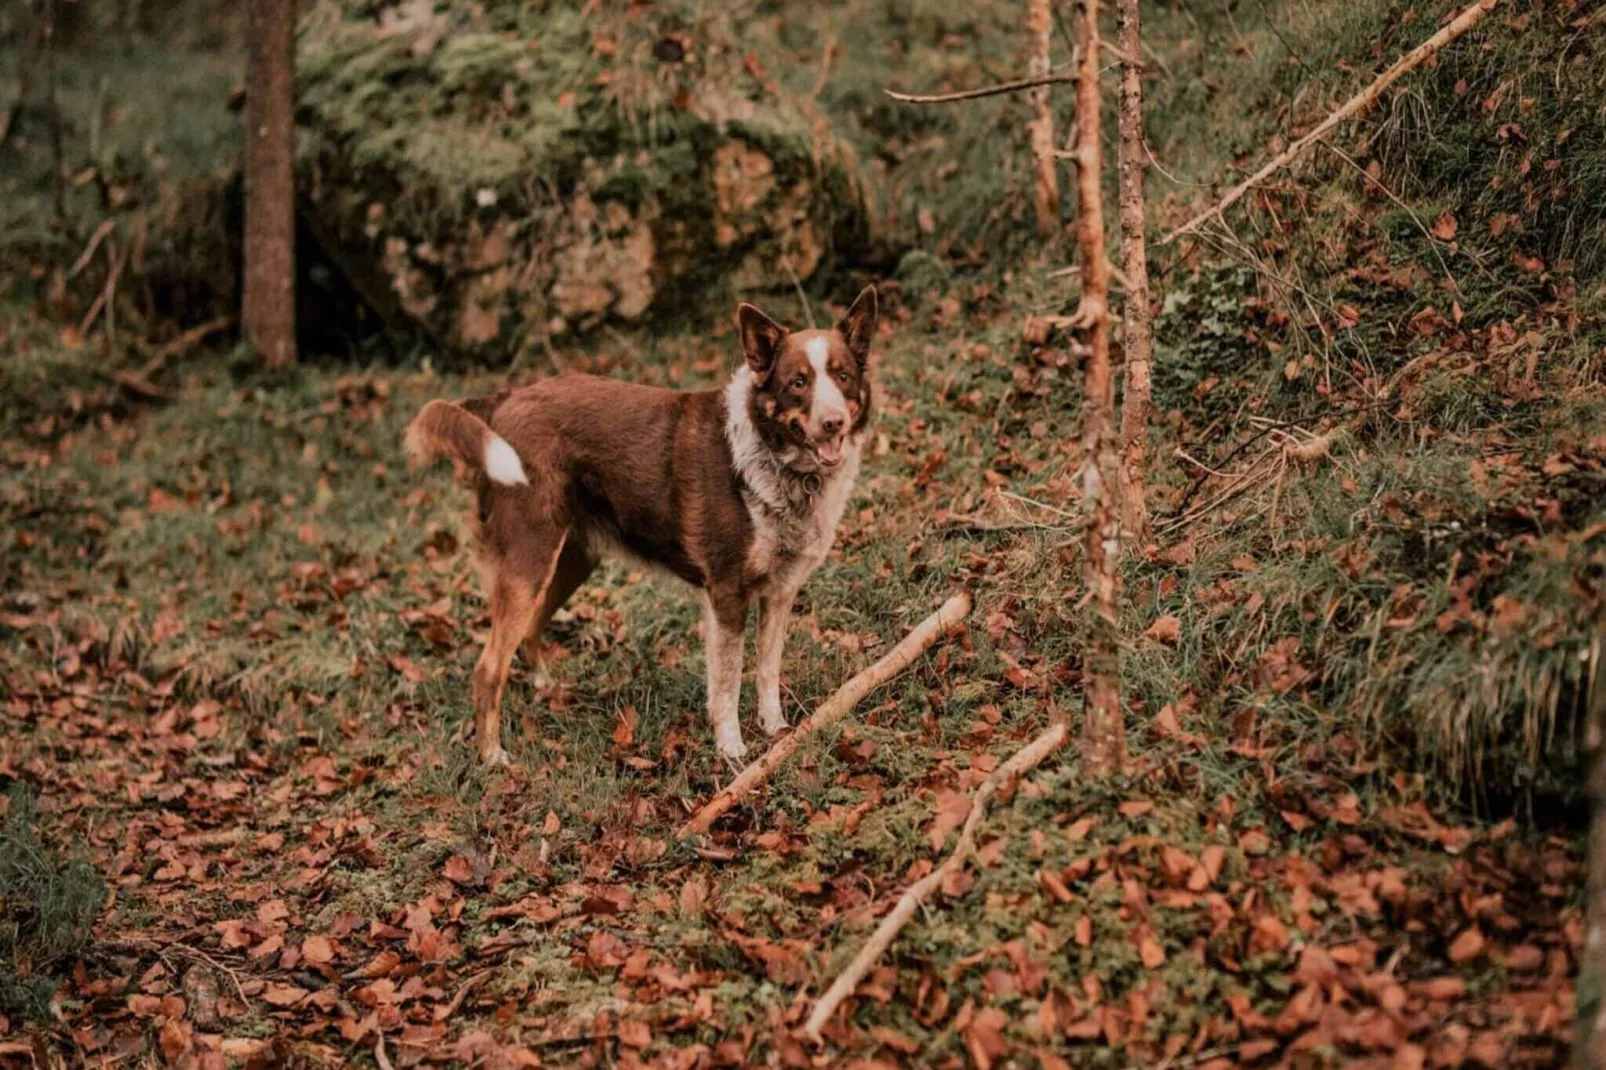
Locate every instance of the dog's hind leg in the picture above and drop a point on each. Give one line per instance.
(520, 581)
(575, 566)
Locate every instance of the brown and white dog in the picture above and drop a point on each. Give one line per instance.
(738, 491)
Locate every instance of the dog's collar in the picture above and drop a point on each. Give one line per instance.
(799, 488)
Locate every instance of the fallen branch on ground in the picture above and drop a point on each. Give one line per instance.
(833, 710)
(1406, 63)
(185, 342)
(1024, 760)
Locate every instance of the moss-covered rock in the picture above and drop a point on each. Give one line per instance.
(515, 171)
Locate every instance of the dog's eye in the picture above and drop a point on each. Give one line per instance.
(799, 382)
(841, 375)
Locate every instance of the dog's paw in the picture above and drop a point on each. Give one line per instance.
(772, 723)
(496, 757)
(734, 752)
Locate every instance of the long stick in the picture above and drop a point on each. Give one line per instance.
(977, 94)
(1452, 30)
(835, 708)
(1025, 759)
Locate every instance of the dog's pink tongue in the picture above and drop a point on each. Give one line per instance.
(830, 451)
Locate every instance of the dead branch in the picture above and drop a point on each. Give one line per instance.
(1358, 103)
(833, 710)
(1288, 444)
(88, 254)
(185, 342)
(1024, 760)
(977, 94)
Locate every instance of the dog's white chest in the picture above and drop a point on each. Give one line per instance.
(791, 539)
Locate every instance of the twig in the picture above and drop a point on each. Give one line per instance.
(1183, 454)
(833, 710)
(105, 228)
(1271, 24)
(118, 259)
(443, 1013)
(1454, 29)
(827, 54)
(1433, 241)
(1074, 518)
(379, 1052)
(977, 94)
(1024, 760)
(961, 526)
(185, 342)
(797, 284)
(143, 944)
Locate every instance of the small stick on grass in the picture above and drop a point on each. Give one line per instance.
(1358, 103)
(833, 710)
(1024, 760)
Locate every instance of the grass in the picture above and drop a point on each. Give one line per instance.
(1379, 656)
(259, 544)
(47, 905)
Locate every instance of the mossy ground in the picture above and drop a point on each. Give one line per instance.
(237, 634)
(240, 614)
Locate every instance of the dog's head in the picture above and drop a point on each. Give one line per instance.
(810, 389)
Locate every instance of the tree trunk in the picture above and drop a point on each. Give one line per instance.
(1103, 733)
(1039, 23)
(1589, 1051)
(58, 163)
(1139, 334)
(269, 313)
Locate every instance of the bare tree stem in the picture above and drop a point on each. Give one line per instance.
(1138, 337)
(1103, 731)
(1039, 33)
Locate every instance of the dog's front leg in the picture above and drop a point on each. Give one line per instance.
(725, 620)
(774, 614)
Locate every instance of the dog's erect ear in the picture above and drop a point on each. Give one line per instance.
(761, 340)
(857, 328)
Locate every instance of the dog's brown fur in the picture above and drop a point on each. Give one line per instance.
(735, 507)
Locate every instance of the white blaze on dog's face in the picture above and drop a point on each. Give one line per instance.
(811, 389)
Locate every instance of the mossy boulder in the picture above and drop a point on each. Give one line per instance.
(505, 172)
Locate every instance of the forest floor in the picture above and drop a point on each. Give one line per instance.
(235, 655)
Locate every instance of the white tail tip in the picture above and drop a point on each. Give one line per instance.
(502, 464)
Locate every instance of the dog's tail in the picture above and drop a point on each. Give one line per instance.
(447, 429)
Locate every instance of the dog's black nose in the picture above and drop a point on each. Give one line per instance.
(832, 425)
